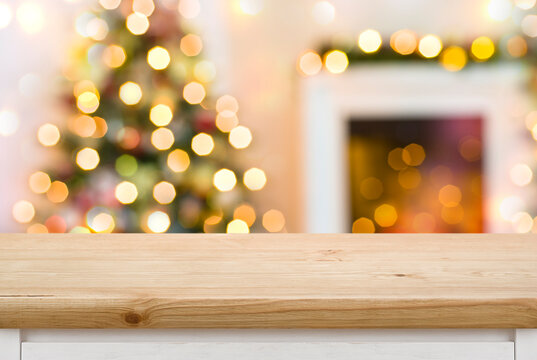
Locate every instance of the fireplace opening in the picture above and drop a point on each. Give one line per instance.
(421, 174)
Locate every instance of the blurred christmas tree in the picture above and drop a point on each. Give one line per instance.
(144, 148)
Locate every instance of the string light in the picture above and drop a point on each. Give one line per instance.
(273, 220)
(164, 192)
(226, 121)
(5, 15)
(31, 17)
(202, 144)
(162, 138)
(237, 226)
(227, 103)
(126, 192)
(404, 42)
(137, 23)
(240, 137)
(310, 63)
(87, 159)
(245, 213)
(114, 56)
(363, 225)
(191, 45)
(57, 192)
(453, 58)
(87, 102)
(254, 179)
(102, 222)
(23, 211)
(413, 155)
(224, 180)
(385, 215)
(482, 48)
(97, 29)
(48, 134)
(336, 61)
(160, 115)
(130, 93)
(158, 58)
(178, 160)
(9, 123)
(369, 41)
(158, 222)
(83, 125)
(39, 182)
(430, 46)
(194, 93)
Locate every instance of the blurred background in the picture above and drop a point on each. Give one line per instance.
(257, 115)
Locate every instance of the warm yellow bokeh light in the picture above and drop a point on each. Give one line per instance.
(87, 102)
(521, 174)
(517, 46)
(205, 71)
(191, 45)
(224, 180)
(246, 213)
(48, 134)
(110, 4)
(254, 179)
(57, 192)
(39, 182)
(413, 154)
(194, 92)
(336, 61)
(453, 58)
(137, 23)
(395, 159)
(145, 7)
(237, 226)
(37, 229)
(82, 125)
(240, 137)
(273, 220)
(130, 93)
(5, 15)
(226, 120)
(385, 215)
(158, 222)
(227, 103)
(369, 41)
(404, 42)
(158, 58)
(189, 9)
(371, 188)
(87, 159)
(430, 46)
(97, 29)
(529, 25)
(522, 222)
(84, 86)
(162, 138)
(310, 63)
(452, 215)
(164, 192)
(482, 48)
(161, 115)
(102, 223)
(178, 160)
(409, 178)
(470, 148)
(363, 225)
(114, 56)
(450, 196)
(23, 211)
(126, 192)
(202, 144)
(31, 17)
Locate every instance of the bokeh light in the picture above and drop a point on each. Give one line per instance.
(48, 134)
(409, 178)
(336, 61)
(371, 188)
(5, 15)
(251, 7)
(31, 17)
(499, 10)
(452, 215)
(56, 224)
(395, 159)
(369, 41)
(194, 92)
(158, 222)
(482, 48)
(97, 29)
(430, 46)
(226, 120)
(110, 4)
(522, 222)
(453, 58)
(517, 46)
(162, 138)
(227, 103)
(525, 4)
(126, 165)
(87, 158)
(224, 180)
(189, 9)
(273, 220)
(178, 160)
(521, 174)
(126, 192)
(240, 137)
(246, 213)
(237, 226)
(191, 45)
(87, 102)
(130, 93)
(385, 215)
(39, 182)
(529, 25)
(37, 229)
(57, 192)
(404, 42)
(9, 123)
(254, 179)
(205, 71)
(323, 12)
(161, 115)
(82, 125)
(363, 225)
(413, 154)
(145, 7)
(100, 220)
(449, 195)
(23, 211)
(137, 23)
(310, 63)
(158, 58)
(202, 144)
(164, 192)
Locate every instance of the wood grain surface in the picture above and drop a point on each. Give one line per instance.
(268, 281)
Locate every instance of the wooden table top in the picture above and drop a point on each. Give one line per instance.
(268, 281)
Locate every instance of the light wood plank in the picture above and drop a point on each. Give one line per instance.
(269, 351)
(269, 281)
